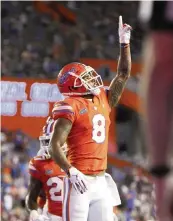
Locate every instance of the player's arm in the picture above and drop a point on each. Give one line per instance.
(60, 133)
(124, 65)
(35, 187)
(65, 117)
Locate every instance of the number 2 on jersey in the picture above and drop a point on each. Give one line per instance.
(54, 191)
(99, 133)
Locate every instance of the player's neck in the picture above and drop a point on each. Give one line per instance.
(88, 96)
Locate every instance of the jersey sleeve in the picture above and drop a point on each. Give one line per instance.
(63, 110)
(33, 169)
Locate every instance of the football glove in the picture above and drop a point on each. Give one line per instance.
(34, 216)
(78, 180)
(124, 32)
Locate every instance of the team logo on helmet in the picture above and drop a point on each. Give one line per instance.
(64, 77)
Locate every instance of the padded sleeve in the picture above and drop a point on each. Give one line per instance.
(33, 169)
(63, 110)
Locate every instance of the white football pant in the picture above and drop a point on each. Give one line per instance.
(93, 205)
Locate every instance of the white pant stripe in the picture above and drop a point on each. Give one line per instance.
(65, 202)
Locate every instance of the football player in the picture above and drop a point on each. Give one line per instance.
(82, 120)
(46, 177)
(158, 97)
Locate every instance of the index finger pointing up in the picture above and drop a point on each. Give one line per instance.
(120, 21)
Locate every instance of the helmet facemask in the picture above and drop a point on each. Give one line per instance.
(44, 141)
(45, 146)
(89, 79)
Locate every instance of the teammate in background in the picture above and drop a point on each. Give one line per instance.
(158, 97)
(83, 121)
(46, 177)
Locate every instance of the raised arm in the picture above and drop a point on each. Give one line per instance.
(124, 65)
(60, 133)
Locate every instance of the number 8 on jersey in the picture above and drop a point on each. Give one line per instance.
(98, 134)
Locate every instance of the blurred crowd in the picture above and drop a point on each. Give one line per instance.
(136, 193)
(16, 149)
(35, 45)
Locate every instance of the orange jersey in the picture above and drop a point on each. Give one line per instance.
(51, 176)
(88, 139)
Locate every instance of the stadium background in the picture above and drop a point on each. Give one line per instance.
(38, 38)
